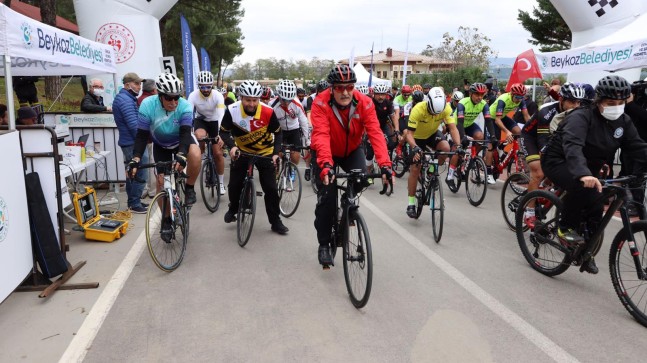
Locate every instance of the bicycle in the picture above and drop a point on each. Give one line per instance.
(351, 234)
(247, 205)
(430, 190)
(209, 181)
(627, 257)
(508, 159)
(167, 216)
(288, 181)
(471, 169)
(400, 163)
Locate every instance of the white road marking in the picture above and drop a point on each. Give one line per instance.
(515, 321)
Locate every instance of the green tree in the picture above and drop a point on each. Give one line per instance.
(547, 28)
(53, 85)
(468, 48)
(448, 79)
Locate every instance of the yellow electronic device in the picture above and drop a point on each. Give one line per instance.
(86, 208)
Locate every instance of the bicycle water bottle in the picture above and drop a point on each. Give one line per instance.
(431, 169)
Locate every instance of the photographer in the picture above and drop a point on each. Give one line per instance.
(636, 109)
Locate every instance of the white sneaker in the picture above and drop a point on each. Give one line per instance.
(490, 179)
(223, 191)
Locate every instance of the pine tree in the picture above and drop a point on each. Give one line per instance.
(547, 27)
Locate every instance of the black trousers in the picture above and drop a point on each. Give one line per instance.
(266, 172)
(326, 209)
(578, 197)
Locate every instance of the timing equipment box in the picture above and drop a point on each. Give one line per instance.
(86, 208)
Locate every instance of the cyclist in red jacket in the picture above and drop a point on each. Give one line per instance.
(340, 116)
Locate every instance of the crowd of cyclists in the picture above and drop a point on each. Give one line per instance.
(567, 139)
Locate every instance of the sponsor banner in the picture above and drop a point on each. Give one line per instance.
(206, 62)
(86, 120)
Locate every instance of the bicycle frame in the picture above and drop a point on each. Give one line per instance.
(510, 156)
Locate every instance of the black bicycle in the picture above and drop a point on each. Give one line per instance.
(288, 182)
(247, 205)
(209, 182)
(351, 234)
(472, 170)
(627, 258)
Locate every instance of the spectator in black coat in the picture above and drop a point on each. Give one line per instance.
(93, 100)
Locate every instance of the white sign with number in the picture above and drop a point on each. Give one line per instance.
(167, 64)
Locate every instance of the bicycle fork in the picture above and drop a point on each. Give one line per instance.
(635, 253)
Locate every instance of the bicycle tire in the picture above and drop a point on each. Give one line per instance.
(621, 263)
(246, 213)
(166, 252)
(289, 190)
(539, 245)
(514, 189)
(399, 165)
(420, 196)
(358, 260)
(475, 181)
(437, 207)
(313, 180)
(210, 190)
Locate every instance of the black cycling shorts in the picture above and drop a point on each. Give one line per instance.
(211, 127)
(163, 154)
(292, 137)
(432, 141)
(509, 124)
(528, 146)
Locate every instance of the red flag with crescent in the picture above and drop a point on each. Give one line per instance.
(524, 67)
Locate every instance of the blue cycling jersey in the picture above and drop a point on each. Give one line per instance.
(164, 126)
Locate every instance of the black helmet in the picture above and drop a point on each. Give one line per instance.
(613, 87)
(341, 73)
(301, 91)
(418, 96)
(322, 86)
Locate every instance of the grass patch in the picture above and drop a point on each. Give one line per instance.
(70, 100)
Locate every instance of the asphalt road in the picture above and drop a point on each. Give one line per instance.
(472, 297)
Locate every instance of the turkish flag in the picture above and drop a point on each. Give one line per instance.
(524, 67)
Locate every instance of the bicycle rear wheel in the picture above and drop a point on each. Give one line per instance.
(246, 212)
(210, 186)
(166, 238)
(540, 244)
(420, 196)
(437, 207)
(514, 189)
(358, 260)
(630, 288)
(289, 186)
(476, 181)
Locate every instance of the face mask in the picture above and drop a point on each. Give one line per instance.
(97, 92)
(613, 112)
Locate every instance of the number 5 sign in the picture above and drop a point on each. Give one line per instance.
(167, 64)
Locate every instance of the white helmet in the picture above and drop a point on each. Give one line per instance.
(381, 88)
(436, 101)
(169, 84)
(250, 88)
(457, 95)
(205, 77)
(363, 89)
(286, 89)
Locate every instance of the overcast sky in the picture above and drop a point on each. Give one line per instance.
(329, 29)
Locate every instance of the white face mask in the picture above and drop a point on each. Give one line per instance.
(97, 92)
(613, 112)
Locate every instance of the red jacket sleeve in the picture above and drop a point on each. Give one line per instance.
(320, 139)
(375, 134)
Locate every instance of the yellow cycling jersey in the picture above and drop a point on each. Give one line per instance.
(425, 124)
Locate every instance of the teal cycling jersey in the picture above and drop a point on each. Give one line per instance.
(164, 126)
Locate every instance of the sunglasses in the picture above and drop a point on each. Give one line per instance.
(171, 98)
(343, 87)
(518, 97)
(206, 88)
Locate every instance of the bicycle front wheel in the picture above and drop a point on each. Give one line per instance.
(289, 186)
(437, 207)
(358, 260)
(514, 189)
(539, 243)
(210, 186)
(476, 181)
(420, 196)
(630, 284)
(246, 212)
(166, 237)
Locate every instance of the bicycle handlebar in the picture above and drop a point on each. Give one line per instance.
(386, 188)
(168, 165)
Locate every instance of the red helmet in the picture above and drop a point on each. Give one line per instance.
(406, 89)
(478, 88)
(517, 89)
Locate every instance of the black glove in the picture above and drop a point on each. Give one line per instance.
(386, 170)
(181, 159)
(133, 164)
(494, 141)
(327, 170)
(465, 142)
(460, 151)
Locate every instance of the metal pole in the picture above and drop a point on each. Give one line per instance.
(534, 83)
(9, 89)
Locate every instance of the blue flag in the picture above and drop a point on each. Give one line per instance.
(206, 62)
(187, 60)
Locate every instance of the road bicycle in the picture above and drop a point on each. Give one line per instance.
(471, 169)
(429, 190)
(288, 181)
(209, 182)
(167, 219)
(247, 205)
(399, 160)
(508, 160)
(351, 234)
(546, 254)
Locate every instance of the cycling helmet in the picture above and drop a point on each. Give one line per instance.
(613, 87)
(301, 91)
(205, 77)
(168, 84)
(322, 85)
(267, 93)
(589, 91)
(222, 90)
(286, 89)
(363, 89)
(417, 96)
(406, 89)
(426, 85)
(313, 89)
(436, 102)
(250, 88)
(380, 88)
(457, 95)
(341, 73)
(571, 91)
(416, 87)
(478, 88)
(517, 89)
